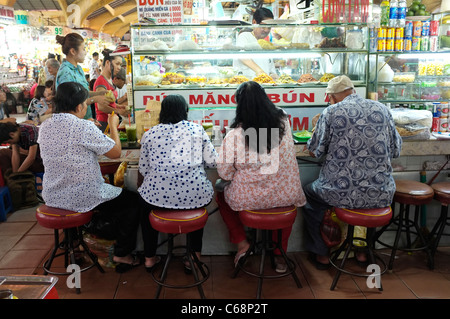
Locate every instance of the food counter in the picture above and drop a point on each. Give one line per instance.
(199, 62)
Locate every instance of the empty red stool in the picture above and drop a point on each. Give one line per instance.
(441, 194)
(70, 222)
(408, 193)
(266, 221)
(371, 219)
(174, 222)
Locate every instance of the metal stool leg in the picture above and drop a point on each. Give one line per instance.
(49, 262)
(440, 226)
(91, 255)
(286, 259)
(261, 264)
(190, 255)
(349, 243)
(397, 237)
(166, 265)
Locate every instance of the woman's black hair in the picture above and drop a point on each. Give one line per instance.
(174, 109)
(68, 96)
(6, 129)
(262, 14)
(39, 93)
(106, 56)
(255, 110)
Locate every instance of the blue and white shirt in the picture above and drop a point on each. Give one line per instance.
(69, 149)
(172, 161)
(357, 138)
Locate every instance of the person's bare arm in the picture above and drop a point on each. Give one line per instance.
(116, 151)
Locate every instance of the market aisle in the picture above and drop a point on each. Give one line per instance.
(24, 245)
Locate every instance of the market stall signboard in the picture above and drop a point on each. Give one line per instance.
(161, 11)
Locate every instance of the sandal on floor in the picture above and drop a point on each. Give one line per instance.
(150, 269)
(238, 258)
(187, 266)
(319, 266)
(124, 267)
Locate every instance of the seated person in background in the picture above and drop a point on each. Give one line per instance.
(24, 151)
(39, 106)
(3, 106)
(172, 161)
(356, 138)
(70, 147)
(258, 158)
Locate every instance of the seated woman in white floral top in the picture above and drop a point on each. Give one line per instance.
(70, 147)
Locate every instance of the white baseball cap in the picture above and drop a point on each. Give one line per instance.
(339, 84)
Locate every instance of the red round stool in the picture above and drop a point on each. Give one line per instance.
(441, 194)
(266, 221)
(371, 219)
(408, 193)
(173, 222)
(70, 222)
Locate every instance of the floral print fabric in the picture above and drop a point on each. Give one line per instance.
(357, 138)
(260, 182)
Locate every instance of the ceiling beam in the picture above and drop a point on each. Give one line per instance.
(116, 26)
(89, 6)
(63, 6)
(98, 22)
(7, 3)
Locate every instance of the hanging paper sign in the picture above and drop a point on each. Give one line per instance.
(54, 30)
(21, 17)
(160, 11)
(6, 14)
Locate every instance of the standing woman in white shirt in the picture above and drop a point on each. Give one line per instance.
(173, 158)
(70, 147)
(248, 40)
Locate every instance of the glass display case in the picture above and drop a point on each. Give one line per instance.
(206, 63)
(413, 78)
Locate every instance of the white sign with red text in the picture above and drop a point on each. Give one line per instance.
(162, 11)
(301, 104)
(283, 97)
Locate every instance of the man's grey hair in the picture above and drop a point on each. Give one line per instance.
(53, 63)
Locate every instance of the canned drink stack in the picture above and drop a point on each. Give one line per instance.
(399, 42)
(434, 28)
(415, 44)
(434, 42)
(417, 29)
(408, 29)
(425, 29)
(424, 43)
(407, 44)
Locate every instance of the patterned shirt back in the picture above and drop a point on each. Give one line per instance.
(357, 138)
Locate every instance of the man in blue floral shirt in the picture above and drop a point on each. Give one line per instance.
(356, 140)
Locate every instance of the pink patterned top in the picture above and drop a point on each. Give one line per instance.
(259, 182)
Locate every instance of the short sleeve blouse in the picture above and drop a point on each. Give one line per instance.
(70, 148)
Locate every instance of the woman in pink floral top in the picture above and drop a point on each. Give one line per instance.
(258, 158)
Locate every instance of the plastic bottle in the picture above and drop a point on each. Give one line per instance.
(384, 13)
(393, 13)
(401, 14)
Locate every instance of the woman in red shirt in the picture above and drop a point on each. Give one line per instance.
(111, 66)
